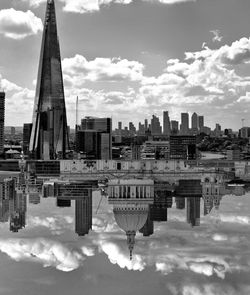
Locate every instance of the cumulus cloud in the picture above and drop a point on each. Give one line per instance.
(100, 69)
(46, 252)
(19, 24)
(15, 97)
(118, 255)
(87, 6)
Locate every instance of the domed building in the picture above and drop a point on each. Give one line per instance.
(131, 199)
(131, 218)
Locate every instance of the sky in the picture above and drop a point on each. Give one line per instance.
(130, 59)
(47, 257)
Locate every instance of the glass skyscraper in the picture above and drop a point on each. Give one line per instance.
(49, 131)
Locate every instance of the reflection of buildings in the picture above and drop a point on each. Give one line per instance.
(148, 228)
(4, 204)
(81, 192)
(162, 201)
(17, 205)
(131, 199)
(83, 214)
(193, 211)
(213, 188)
(190, 189)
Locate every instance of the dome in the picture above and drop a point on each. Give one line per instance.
(131, 217)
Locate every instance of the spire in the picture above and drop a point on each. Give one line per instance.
(49, 131)
(131, 242)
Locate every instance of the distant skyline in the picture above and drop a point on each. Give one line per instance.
(130, 59)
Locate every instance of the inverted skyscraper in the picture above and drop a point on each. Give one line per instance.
(49, 136)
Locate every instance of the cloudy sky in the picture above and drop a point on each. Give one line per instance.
(130, 59)
(47, 257)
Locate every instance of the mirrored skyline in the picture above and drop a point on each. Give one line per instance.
(201, 238)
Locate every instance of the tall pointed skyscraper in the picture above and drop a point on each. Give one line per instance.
(49, 136)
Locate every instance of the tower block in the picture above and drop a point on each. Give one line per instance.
(49, 135)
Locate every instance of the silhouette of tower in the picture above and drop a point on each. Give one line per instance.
(49, 134)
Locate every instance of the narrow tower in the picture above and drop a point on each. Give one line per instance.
(49, 134)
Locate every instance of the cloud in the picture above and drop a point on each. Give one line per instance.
(120, 256)
(216, 36)
(46, 252)
(78, 69)
(88, 6)
(18, 24)
(15, 97)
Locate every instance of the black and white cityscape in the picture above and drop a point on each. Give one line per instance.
(114, 179)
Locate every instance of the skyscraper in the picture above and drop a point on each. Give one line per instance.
(49, 131)
(194, 120)
(83, 213)
(184, 123)
(166, 124)
(155, 125)
(201, 122)
(174, 127)
(2, 108)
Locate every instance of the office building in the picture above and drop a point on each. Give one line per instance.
(174, 127)
(193, 210)
(49, 135)
(194, 123)
(155, 126)
(166, 124)
(95, 138)
(184, 128)
(27, 127)
(2, 117)
(119, 125)
(183, 147)
(200, 122)
(83, 213)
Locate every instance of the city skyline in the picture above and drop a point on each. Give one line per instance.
(172, 67)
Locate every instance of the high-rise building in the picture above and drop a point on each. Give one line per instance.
(95, 137)
(2, 116)
(200, 122)
(49, 136)
(83, 213)
(174, 127)
(155, 126)
(193, 210)
(194, 120)
(184, 129)
(166, 124)
(146, 124)
(27, 127)
(120, 125)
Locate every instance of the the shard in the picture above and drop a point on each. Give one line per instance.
(49, 136)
